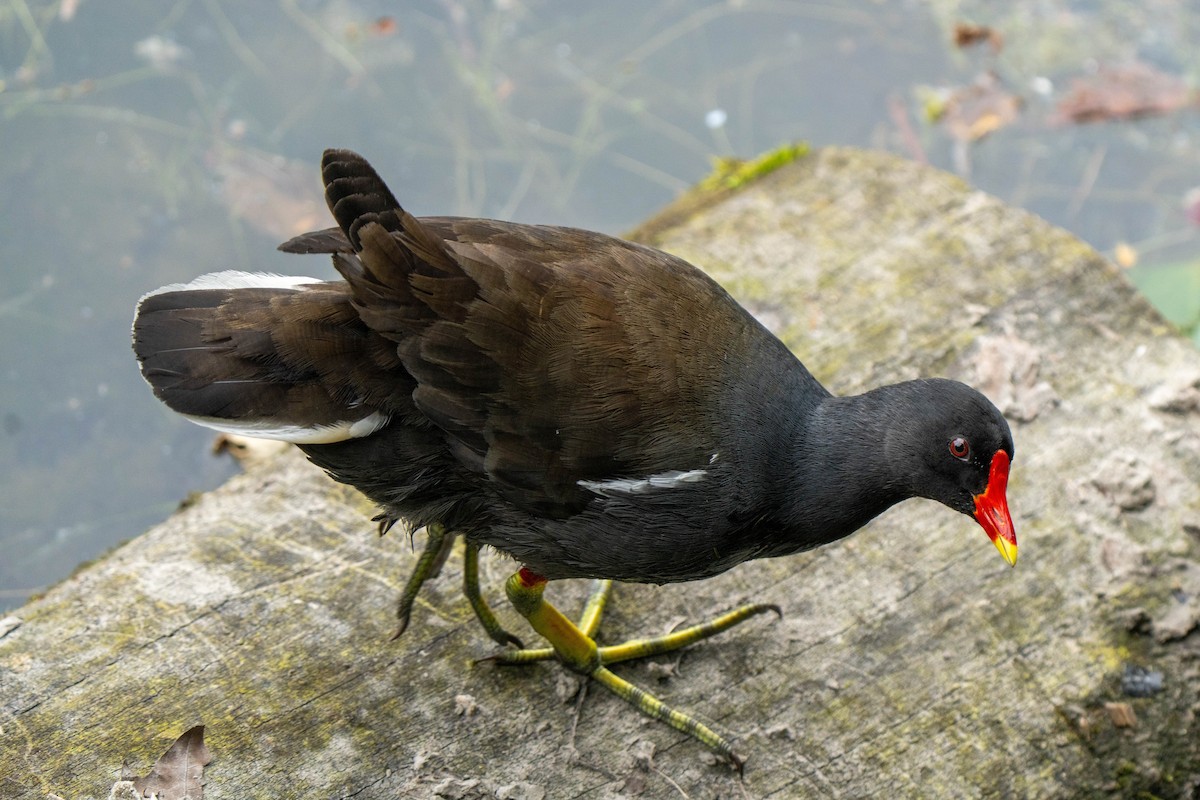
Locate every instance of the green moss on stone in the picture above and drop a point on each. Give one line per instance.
(730, 173)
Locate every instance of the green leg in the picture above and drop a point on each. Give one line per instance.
(641, 648)
(438, 545)
(579, 652)
(484, 614)
(589, 620)
(651, 706)
(437, 549)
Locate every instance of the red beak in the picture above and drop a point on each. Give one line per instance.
(991, 509)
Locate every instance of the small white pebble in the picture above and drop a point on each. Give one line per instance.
(465, 706)
(1041, 85)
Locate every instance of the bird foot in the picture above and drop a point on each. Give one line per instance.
(574, 647)
(628, 650)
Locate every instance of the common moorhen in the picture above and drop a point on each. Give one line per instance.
(592, 407)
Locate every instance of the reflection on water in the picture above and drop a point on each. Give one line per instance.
(145, 143)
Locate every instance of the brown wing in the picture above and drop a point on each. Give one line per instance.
(550, 355)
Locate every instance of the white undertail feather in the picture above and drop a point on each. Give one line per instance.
(296, 434)
(338, 431)
(234, 279)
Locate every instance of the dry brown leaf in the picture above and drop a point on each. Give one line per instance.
(271, 193)
(1121, 714)
(974, 111)
(967, 34)
(178, 773)
(1123, 92)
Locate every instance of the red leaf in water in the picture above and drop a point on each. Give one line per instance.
(178, 772)
(384, 26)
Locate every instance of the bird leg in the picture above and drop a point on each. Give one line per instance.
(437, 549)
(482, 611)
(657, 645)
(589, 620)
(575, 647)
(438, 544)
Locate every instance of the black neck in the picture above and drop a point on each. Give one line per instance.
(843, 462)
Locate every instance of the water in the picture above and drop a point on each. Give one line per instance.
(146, 143)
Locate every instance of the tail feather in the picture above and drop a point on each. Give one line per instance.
(262, 356)
(330, 240)
(307, 362)
(402, 274)
(356, 195)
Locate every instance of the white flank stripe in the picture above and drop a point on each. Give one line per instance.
(674, 479)
(297, 434)
(233, 279)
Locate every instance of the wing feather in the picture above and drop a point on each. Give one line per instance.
(549, 356)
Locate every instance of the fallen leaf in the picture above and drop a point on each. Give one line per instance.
(383, 26)
(271, 193)
(1125, 255)
(1121, 714)
(1123, 92)
(972, 112)
(178, 772)
(967, 34)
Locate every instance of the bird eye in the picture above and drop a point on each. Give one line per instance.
(960, 448)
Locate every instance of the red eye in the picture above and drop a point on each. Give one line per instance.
(960, 448)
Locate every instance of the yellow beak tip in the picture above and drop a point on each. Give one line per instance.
(1008, 550)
